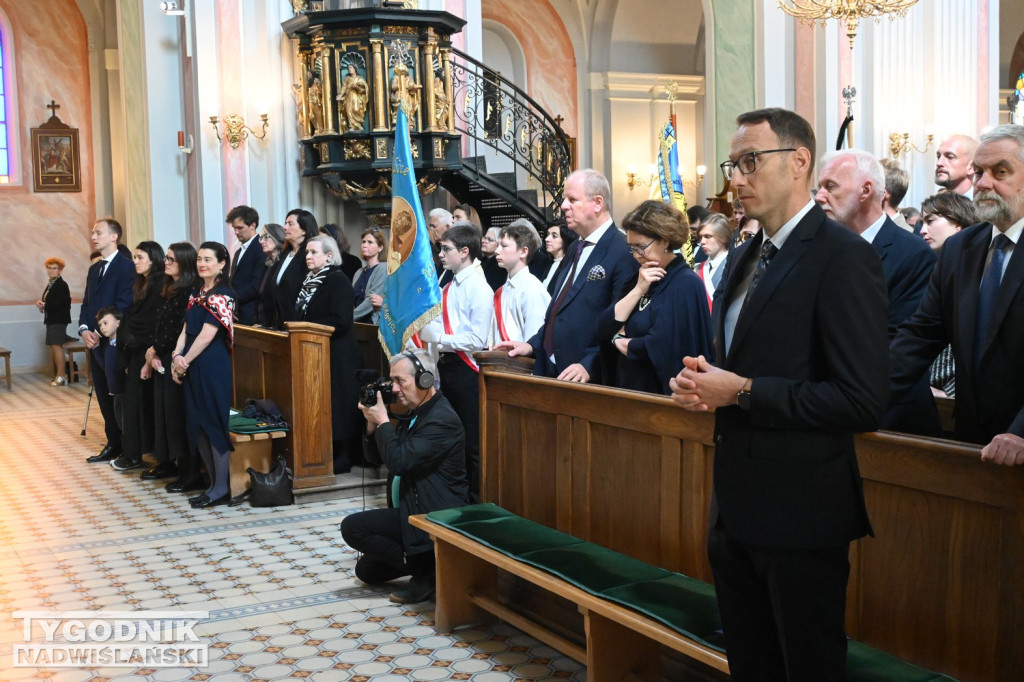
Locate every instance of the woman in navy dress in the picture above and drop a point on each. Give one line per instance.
(202, 360)
(662, 315)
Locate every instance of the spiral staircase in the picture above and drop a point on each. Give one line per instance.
(472, 131)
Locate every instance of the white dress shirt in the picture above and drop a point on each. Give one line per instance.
(470, 311)
(593, 239)
(735, 305)
(524, 300)
(1012, 233)
(709, 268)
(872, 231)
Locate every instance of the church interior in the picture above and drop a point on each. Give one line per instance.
(172, 113)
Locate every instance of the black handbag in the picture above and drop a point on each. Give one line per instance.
(271, 489)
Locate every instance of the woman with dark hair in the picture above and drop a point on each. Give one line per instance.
(464, 213)
(942, 216)
(326, 298)
(288, 274)
(202, 359)
(271, 241)
(663, 313)
(55, 305)
(369, 284)
(134, 336)
(170, 444)
(557, 242)
(350, 265)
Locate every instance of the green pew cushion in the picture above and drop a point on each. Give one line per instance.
(239, 424)
(682, 603)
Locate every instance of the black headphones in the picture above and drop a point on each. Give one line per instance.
(424, 379)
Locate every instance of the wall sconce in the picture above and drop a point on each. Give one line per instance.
(236, 130)
(181, 143)
(633, 178)
(701, 171)
(900, 144)
(172, 9)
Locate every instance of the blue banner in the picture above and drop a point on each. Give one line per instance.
(411, 294)
(670, 182)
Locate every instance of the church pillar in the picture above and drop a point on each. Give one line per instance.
(151, 91)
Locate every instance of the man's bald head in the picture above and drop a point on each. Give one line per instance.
(953, 170)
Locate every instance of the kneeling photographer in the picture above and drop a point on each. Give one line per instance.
(424, 454)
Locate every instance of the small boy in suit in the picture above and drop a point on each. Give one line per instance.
(108, 320)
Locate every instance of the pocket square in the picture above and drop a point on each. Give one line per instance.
(596, 273)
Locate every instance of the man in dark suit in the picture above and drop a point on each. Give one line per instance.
(801, 330)
(108, 283)
(248, 262)
(851, 186)
(975, 301)
(566, 346)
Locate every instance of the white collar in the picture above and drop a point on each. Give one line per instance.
(780, 237)
(596, 235)
(1012, 232)
(872, 231)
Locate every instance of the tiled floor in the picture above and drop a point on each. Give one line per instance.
(277, 583)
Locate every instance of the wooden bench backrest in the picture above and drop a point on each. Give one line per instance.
(939, 585)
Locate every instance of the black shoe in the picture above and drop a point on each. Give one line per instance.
(165, 470)
(204, 501)
(419, 589)
(195, 500)
(104, 455)
(124, 463)
(186, 484)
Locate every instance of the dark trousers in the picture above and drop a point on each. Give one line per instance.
(377, 533)
(106, 403)
(782, 610)
(170, 443)
(461, 386)
(137, 430)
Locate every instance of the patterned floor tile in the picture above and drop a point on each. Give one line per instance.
(277, 582)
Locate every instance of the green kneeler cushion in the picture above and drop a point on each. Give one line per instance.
(244, 425)
(675, 600)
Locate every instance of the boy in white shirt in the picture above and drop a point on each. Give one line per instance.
(467, 311)
(520, 303)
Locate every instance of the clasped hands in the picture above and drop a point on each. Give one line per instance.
(179, 367)
(702, 387)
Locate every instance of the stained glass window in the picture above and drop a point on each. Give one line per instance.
(5, 152)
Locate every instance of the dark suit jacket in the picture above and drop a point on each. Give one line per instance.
(287, 290)
(246, 282)
(115, 289)
(907, 262)
(989, 399)
(575, 334)
(57, 308)
(812, 337)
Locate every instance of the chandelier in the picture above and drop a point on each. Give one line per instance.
(849, 12)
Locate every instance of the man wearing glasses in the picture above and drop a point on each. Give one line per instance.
(801, 333)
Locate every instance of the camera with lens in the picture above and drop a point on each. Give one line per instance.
(368, 392)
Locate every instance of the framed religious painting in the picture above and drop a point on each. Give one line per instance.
(56, 160)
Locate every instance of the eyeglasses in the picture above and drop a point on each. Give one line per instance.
(445, 248)
(263, 237)
(638, 250)
(169, 259)
(746, 163)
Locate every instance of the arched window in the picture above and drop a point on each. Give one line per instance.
(8, 129)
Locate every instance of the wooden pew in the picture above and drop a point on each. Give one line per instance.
(938, 585)
(292, 369)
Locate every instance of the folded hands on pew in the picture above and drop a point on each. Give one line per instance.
(701, 386)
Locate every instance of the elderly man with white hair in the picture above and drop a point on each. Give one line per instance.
(850, 189)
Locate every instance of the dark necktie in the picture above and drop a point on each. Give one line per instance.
(549, 326)
(988, 294)
(234, 261)
(103, 271)
(768, 251)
